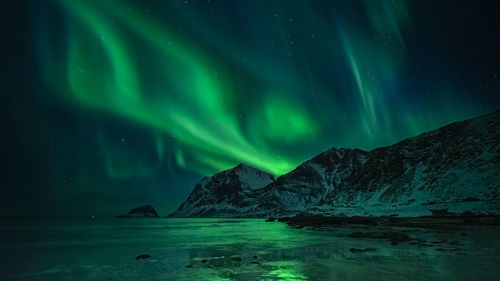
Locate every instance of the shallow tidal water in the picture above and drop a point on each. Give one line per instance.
(236, 249)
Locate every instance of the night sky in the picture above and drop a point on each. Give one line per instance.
(112, 104)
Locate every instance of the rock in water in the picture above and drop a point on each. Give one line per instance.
(143, 256)
(354, 250)
(146, 211)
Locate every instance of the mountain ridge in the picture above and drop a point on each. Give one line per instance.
(455, 167)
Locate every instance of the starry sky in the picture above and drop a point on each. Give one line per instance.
(113, 104)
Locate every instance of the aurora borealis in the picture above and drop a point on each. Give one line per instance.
(134, 101)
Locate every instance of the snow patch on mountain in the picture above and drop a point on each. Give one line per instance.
(252, 178)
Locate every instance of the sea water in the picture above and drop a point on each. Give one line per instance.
(235, 249)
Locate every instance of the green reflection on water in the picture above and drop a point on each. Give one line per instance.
(288, 271)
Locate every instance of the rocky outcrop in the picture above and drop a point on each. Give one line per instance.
(146, 211)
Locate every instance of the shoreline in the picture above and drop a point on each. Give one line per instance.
(434, 222)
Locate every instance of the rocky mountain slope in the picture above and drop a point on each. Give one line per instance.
(456, 167)
(226, 194)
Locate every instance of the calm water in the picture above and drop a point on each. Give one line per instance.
(105, 249)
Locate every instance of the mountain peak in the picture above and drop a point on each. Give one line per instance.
(252, 178)
(241, 166)
(226, 190)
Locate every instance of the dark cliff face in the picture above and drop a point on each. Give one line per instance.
(439, 169)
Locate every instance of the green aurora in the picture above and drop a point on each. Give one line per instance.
(205, 85)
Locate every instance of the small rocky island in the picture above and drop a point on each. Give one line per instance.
(146, 211)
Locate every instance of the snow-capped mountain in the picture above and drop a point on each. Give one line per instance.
(456, 167)
(310, 183)
(226, 194)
